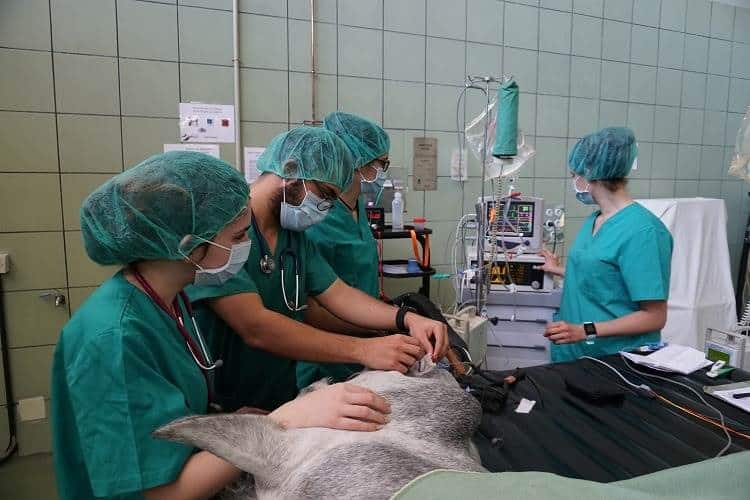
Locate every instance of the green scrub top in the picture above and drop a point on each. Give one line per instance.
(350, 249)
(248, 376)
(628, 261)
(121, 370)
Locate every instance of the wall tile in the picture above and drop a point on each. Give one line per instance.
(616, 42)
(671, 49)
(260, 134)
(300, 97)
(256, 52)
(662, 189)
(445, 61)
(82, 271)
(589, 7)
(709, 189)
(264, 95)
(26, 81)
(32, 320)
(441, 107)
(28, 142)
(299, 46)
(619, 10)
(740, 58)
(673, 14)
(614, 81)
(642, 84)
(643, 42)
(90, 143)
(739, 95)
(587, 36)
(718, 94)
(551, 157)
(669, 86)
(147, 30)
(712, 163)
(694, 90)
(325, 10)
(612, 114)
(37, 260)
(268, 7)
(722, 20)
(691, 126)
(646, 12)
(719, 57)
(554, 31)
(484, 21)
(25, 25)
(664, 163)
(144, 137)
(95, 94)
(84, 26)
(521, 26)
(75, 188)
(586, 74)
(204, 83)
(404, 105)
(696, 53)
(741, 23)
(554, 74)
(404, 57)
(405, 16)
(734, 120)
(523, 65)
(688, 161)
(361, 96)
(552, 116)
(149, 88)
(446, 18)
(30, 368)
(360, 52)
(565, 5)
(713, 128)
(645, 160)
(365, 13)
(484, 59)
(30, 202)
(443, 205)
(641, 121)
(215, 49)
(698, 17)
(666, 124)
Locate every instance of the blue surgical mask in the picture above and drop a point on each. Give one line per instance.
(312, 210)
(583, 195)
(238, 255)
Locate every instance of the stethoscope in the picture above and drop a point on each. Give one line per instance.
(267, 265)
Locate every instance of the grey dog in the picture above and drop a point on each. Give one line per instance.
(431, 425)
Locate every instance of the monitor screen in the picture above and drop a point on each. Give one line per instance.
(520, 218)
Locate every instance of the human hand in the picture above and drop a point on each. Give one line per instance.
(551, 264)
(340, 406)
(428, 332)
(561, 332)
(392, 352)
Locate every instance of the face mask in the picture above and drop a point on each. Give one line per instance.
(373, 188)
(584, 196)
(238, 255)
(312, 210)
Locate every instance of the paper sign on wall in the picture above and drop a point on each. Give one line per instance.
(251, 163)
(425, 164)
(206, 122)
(209, 149)
(459, 172)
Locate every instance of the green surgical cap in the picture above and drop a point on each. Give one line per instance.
(366, 139)
(607, 154)
(309, 153)
(145, 212)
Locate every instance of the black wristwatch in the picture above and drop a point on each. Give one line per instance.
(590, 330)
(400, 315)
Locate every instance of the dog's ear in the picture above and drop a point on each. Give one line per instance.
(253, 443)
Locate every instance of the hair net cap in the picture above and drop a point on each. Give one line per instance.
(365, 139)
(146, 212)
(309, 153)
(607, 154)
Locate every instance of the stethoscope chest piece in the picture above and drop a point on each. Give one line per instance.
(267, 264)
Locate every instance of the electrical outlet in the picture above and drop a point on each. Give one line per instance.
(4, 263)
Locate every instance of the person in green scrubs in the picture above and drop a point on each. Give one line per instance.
(130, 359)
(255, 320)
(344, 238)
(617, 274)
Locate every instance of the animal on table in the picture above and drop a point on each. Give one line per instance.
(432, 421)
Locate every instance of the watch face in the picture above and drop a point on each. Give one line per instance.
(589, 328)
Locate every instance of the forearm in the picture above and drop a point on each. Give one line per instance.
(635, 323)
(319, 317)
(358, 308)
(203, 476)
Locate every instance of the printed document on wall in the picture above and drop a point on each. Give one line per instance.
(206, 122)
(209, 149)
(251, 163)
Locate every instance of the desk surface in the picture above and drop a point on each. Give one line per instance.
(571, 437)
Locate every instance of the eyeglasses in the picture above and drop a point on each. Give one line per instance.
(384, 164)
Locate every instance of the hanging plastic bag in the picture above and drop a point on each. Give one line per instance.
(740, 165)
(507, 166)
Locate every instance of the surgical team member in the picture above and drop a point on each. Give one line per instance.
(255, 319)
(617, 274)
(131, 360)
(344, 237)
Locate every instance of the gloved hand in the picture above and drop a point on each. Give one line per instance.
(339, 406)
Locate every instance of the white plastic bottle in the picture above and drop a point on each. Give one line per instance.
(397, 207)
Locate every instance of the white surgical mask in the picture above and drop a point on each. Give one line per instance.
(312, 210)
(583, 195)
(238, 255)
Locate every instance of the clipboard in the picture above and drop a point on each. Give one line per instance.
(724, 393)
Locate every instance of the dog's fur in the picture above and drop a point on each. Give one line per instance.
(431, 425)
